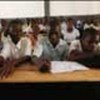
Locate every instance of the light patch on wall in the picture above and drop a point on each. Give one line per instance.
(21, 9)
(67, 8)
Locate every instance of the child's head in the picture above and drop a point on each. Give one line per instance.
(55, 25)
(15, 28)
(89, 39)
(54, 37)
(70, 24)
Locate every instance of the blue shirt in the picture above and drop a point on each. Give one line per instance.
(59, 53)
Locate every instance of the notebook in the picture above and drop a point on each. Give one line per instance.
(66, 66)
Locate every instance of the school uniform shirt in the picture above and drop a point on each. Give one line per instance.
(12, 51)
(59, 53)
(86, 26)
(95, 27)
(37, 50)
(47, 29)
(27, 29)
(70, 36)
(76, 45)
(63, 26)
(41, 27)
(0, 27)
(22, 48)
(37, 47)
(3, 38)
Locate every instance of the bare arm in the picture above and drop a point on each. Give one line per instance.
(9, 65)
(20, 61)
(75, 55)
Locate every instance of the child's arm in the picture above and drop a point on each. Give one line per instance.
(43, 65)
(9, 65)
(75, 55)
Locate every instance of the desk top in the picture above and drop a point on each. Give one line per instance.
(27, 74)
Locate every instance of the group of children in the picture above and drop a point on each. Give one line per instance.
(21, 44)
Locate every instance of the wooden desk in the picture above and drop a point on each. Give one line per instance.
(27, 74)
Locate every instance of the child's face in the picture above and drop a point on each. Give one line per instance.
(89, 43)
(16, 30)
(54, 39)
(70, 26)
(33, 38)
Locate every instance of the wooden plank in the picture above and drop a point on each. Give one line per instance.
(29, 74)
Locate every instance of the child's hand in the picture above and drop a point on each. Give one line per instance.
(46, 65)
(7, 69)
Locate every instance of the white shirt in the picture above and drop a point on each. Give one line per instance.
(0, 27)
(27, 29)
(42, 27)
(75, 45)
(12, 51)
(38, 50)
(95, 27)
(63, 26)
(70, 36)
(22, 48)
(86, 26)
(3, 38)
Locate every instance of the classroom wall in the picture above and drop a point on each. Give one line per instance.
(34, 9)
(72, 8)
(21, 9)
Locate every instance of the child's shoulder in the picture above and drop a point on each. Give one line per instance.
(63, 42)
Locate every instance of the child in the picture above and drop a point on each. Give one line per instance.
(16, 49)
(54, 48)
(71, 33)
(85, 49)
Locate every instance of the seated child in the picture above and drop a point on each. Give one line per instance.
(86, 49)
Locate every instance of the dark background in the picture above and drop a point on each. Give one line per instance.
(71, 90)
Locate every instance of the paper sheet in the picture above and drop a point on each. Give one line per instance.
(66, 66)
